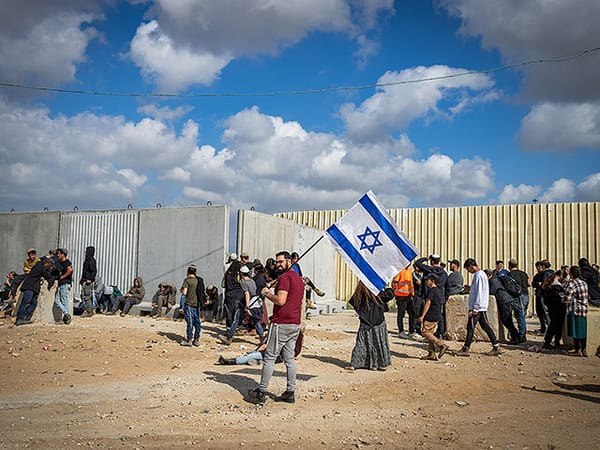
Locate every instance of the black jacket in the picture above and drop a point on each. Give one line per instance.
(439, 272)
(89, 265)
(590, 276)
(33, 279)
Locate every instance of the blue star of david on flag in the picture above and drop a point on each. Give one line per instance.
(368, 226)
(375, 241)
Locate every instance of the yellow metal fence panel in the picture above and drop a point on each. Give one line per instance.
(559, 232)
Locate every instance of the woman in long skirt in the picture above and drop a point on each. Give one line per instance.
(372, 349)
(576, 298)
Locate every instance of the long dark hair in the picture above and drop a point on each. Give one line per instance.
(362, 293)
(234, 270)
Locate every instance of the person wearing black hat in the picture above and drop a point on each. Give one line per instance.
(442, 276)
(65, 279)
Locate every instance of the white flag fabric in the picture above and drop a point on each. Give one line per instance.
(371, 243)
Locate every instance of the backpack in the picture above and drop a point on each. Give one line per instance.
(511, 285)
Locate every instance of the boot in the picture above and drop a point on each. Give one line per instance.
(431, 356)
(226, 361)
(319, 292)
(309, 304)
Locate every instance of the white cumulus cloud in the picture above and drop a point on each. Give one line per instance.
(562, 127)
(395, 106)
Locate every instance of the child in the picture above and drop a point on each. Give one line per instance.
(432, 314)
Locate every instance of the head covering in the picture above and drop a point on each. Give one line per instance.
(244, 269)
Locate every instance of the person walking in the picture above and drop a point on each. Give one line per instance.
(479, 296)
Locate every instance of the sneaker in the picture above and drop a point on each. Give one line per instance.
(443, 350)
(20, 322)
(224, 339)
(87, 314)
(122, 314)
(404, 335)
(417, 337)
(431, 356)
(522, 339)
(196, 342)
(67, 319)
(287, 397)
(253, 362)
(226, 361)
(186, 343)
(109, 313)
(257, 396)
(463, 352)
(495, 351)
(309, 304)
(319, 292)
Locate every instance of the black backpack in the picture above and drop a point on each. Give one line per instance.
(511, 285)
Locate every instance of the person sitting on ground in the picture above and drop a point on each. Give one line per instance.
(134, 296)
(431, 315)
(372, 348)
(164, 296)
(252, 358)
(8, 282)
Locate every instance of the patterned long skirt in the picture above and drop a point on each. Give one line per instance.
(372, 349)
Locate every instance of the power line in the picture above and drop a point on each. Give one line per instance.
(304, 91)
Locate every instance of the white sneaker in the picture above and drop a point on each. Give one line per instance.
(404, 335)
(416, 337)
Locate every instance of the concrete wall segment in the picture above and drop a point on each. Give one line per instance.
(21, 231)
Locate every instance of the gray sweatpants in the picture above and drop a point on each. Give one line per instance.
(281, 341)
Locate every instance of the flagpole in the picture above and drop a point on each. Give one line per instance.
(310, 248)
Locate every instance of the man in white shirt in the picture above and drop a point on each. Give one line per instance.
(479, 297)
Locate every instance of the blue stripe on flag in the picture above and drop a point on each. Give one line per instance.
(356, 257)
(387, 227)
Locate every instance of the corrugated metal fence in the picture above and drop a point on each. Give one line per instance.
(559, 232)
(114, 234)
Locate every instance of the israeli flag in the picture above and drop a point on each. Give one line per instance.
(370, 242)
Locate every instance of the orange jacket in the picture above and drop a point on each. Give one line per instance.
(402, 283)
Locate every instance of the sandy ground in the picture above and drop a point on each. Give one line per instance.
(114, 382)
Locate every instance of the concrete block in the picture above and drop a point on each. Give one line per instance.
(457, 311)
(46, 310)
(593, 330)
(145, 309)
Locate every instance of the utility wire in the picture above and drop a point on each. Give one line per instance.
(305, 91)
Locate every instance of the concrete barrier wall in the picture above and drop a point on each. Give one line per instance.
(457, 315)
(21, 231)
(156, 244)
(170, 239)
(263, 235)
(593, 330)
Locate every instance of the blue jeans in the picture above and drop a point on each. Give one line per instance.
(239, 313)
(28, 305)
(62, 297)
(192, 322)
(248, 356)
(517, 306)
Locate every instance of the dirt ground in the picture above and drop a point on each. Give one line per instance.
(114, 382)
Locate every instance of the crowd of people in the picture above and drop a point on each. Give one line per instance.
(420, 291)
(561, 298)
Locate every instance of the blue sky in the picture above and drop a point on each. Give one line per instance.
(510, 136)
